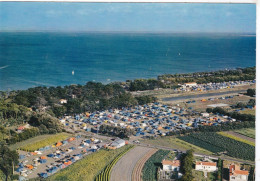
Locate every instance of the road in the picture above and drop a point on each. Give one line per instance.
(124, 167)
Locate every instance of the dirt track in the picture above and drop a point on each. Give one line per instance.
(123, 169)
(241, 136)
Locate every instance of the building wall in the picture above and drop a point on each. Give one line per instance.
(206, 168)
(239, 178)
(170, 168)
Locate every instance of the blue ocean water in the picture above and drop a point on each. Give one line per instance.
(47, 59)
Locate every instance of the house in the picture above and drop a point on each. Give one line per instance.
(169, 165)
(63, 101)
(118, 143)
(206, 166)
(191, 84)
(235, 174)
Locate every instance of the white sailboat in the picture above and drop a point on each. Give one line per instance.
(72, 72)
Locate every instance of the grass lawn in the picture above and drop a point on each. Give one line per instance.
(236, 138)
(175, 143)
(88, 167)
(249, 132)
(248, 111)
(199, 176)
(37, 142)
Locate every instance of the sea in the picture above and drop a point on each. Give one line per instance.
(30, 59)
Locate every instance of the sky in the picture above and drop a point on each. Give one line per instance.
(141, 17)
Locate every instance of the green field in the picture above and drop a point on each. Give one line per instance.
(217, 143)
(152, 164)
(89, 167)
(248, 111)
(249, 132)
(199, 176)
(175, 143)
(237, 138)
(37, 142)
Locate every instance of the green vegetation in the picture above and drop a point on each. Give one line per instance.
(220, 167)
(39, 142)
(152, 164)
(12, 114)
(175, 143)
(187, 165)
(248, 111)
(237, 138)
(105, 174)
(145, 84)
(80, 98)
(199, 176)
(218, 143)
(250, 92)
(249, 132)
(89, 167)
(8, 160)
(116, 131)
(206, 77)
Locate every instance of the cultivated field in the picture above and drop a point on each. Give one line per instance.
(175, 143)
(153, 163)
(249, 132)
(88, 167)
(125, 166)
(238, 137)
(217, 143)
(37, 142)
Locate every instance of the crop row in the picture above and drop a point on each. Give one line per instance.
(217, 143)
(105, 174)
(152, 164)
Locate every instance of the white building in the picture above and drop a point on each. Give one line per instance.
(171, 165)
(63, 101)
(118, 143)
(235, 174)
(206, 166)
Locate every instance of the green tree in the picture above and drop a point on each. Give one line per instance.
(8, 161)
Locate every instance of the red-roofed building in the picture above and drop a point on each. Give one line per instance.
(171, 165)
(206, 166)
(235, 174)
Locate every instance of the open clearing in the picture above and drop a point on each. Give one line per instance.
(125, 166)
(175, 143)
(249, 132)
(37, 142)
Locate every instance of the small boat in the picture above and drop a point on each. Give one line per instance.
(179, 54)
(72, 72)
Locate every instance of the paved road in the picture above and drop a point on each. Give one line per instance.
(123, 169)
(201, 95)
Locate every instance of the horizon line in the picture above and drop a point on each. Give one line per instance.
(150, 32)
